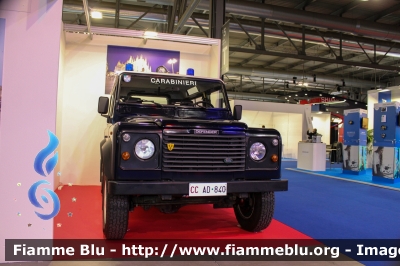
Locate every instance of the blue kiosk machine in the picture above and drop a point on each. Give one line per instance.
(386, 148)
(355, 141)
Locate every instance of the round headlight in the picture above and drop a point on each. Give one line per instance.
(275, 142)
(257, 151)
(144, 149)
(126, 137)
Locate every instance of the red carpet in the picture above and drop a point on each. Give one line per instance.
(190, 222)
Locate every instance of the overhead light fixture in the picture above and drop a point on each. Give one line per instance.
(96, 14)
(150, 34)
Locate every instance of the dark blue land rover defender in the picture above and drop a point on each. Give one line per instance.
(173, 140)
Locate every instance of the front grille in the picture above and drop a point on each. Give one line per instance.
(203, 153)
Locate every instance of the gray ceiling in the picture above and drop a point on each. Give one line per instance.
(367, 31)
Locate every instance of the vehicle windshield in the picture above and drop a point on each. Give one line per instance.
(171, 91)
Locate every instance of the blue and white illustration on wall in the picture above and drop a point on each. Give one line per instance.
(49, 167)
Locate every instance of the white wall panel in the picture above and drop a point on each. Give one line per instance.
(322, 122)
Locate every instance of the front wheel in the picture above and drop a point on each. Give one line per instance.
(115, 214)
(255, 212)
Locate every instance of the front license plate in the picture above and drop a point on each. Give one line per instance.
(207, 189)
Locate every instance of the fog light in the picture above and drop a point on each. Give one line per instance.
(274, 158)
(275, 142)
(125, 156)
(126, 137)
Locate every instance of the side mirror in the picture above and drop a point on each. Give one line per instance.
(237, 112)
(102, 107)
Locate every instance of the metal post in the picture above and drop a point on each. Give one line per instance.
(340, 48)
(217, 18)
(87, 15)
(118, 5)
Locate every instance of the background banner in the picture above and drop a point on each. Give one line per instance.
(142, 60)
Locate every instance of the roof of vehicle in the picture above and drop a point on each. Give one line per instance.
(167, 75)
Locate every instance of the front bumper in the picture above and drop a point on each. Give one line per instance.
(182, 188)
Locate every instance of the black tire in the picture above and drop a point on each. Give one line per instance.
(115, 214)
(168, 209)
(255, 213)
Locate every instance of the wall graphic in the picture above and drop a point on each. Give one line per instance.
(351, 158)
(49, 166)
(142, 60)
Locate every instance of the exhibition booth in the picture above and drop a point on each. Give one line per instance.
(50, 129)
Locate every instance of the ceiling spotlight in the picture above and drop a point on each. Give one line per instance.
(96, 14)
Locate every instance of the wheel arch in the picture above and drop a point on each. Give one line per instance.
(106, 159)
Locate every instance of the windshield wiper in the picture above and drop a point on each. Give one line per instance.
(150, 101)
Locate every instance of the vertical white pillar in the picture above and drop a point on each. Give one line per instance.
(29, 104)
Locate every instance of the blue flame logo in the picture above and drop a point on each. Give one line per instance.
(50, 165)
(35, 202)
(52, 162)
